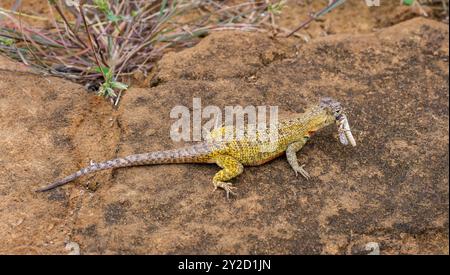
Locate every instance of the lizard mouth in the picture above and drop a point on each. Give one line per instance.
(345, 134)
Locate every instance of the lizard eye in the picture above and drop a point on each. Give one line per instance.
(338, 114)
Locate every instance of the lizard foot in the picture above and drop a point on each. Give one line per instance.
(228, 187)
(302, 172)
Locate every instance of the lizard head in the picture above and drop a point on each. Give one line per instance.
(333, 108)
(336, 114)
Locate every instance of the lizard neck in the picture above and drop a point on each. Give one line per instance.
(304, 125)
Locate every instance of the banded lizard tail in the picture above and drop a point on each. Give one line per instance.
(232, 155)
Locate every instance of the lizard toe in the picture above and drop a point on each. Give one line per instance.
(302, 172)
(228, 187)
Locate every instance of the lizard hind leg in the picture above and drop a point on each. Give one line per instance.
(231, 168)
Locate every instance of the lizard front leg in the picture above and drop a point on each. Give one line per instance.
(291, 155)
(231, 168)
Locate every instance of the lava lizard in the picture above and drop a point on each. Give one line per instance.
(234, 154)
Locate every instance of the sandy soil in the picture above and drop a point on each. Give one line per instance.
(391, 189)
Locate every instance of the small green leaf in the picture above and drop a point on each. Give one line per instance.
(103, 70)
(6, 41)
(106, 72)
(408, 2)
(112, 17)
(110, 93)
(118, 85)
(102, 5)
(106, 91)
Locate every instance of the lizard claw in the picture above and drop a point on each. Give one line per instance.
(228, 187)
(302, 172)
